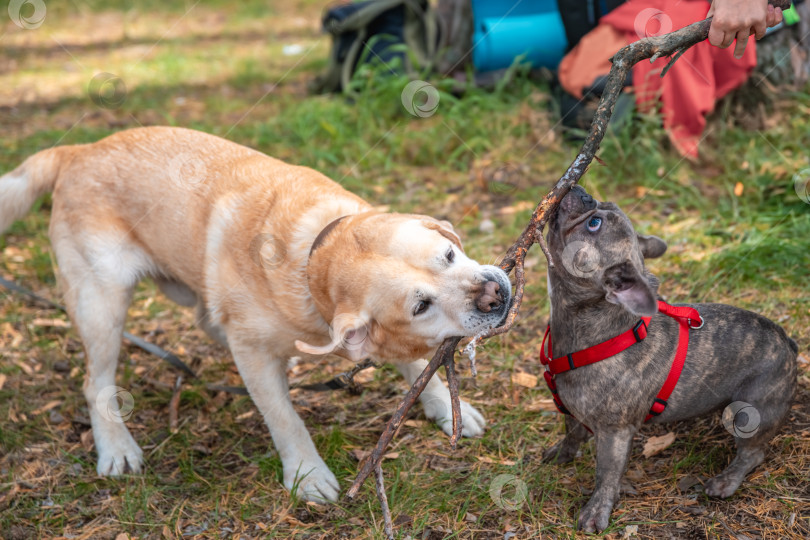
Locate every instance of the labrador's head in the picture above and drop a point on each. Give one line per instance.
(394, 286)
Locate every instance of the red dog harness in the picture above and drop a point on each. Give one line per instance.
(687, 317)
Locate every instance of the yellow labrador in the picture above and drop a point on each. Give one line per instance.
(279, 260)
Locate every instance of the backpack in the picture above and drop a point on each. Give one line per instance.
(581, 16)
(377, 30)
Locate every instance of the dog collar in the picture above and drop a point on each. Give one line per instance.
(315, 245)
(688, 318)
(324, 233)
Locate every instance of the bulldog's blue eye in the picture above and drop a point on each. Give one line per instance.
(594, 224)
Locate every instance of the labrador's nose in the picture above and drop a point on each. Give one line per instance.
(490, 297)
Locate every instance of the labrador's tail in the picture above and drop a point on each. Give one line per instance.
(22, 186)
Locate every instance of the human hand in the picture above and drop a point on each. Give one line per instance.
(738, 19)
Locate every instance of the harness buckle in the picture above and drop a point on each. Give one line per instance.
(636, 328)
(702, 322)
(658, 406)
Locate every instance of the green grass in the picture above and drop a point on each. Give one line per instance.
(219, 67)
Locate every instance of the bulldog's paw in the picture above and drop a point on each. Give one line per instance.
(721, 486)
(440, 411)
(312, 481)
(118, 455)
(595, 516)
(560, 453)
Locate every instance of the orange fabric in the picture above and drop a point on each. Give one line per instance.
(589, 58)
(702, 75)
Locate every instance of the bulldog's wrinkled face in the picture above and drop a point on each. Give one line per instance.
(595, 247)
(398, 285)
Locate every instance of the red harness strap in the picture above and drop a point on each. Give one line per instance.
(687, 317)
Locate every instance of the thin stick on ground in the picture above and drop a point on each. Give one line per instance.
(386, 512)
(174, 405)
(671, 45)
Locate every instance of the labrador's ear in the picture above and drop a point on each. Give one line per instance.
(444, 228)
(626, 287)
(351, 337)
(651, 246)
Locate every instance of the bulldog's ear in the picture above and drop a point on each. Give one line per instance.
(626, 287)
(444, 228)
(651, 246)
(351, 337)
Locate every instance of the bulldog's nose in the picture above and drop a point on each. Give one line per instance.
(490, 297)
(578, 195)
(588, 202)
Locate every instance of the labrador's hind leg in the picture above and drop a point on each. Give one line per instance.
(97, 288)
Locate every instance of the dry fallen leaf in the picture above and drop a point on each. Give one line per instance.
(361, 454)
(519, 207)
(87, 440)
(655, 445)
(10, 335)
(507, 462)
(25, 367)
(56, 323)
(47, 407)
(522, 378)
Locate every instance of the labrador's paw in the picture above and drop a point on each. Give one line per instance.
(595, 516)
(118, 455)
(440, 411)
(312, 481)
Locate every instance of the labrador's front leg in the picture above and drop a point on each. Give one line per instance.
(436, 402)
(266, 381)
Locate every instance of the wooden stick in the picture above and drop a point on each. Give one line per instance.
(388, 524)
(447, 348)
(174, 404)
(455, 402)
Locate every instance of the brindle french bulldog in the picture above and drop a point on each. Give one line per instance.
(599, 289)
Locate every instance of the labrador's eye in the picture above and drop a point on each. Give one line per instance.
(421, 307)
(594, 223)
(450, 255)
